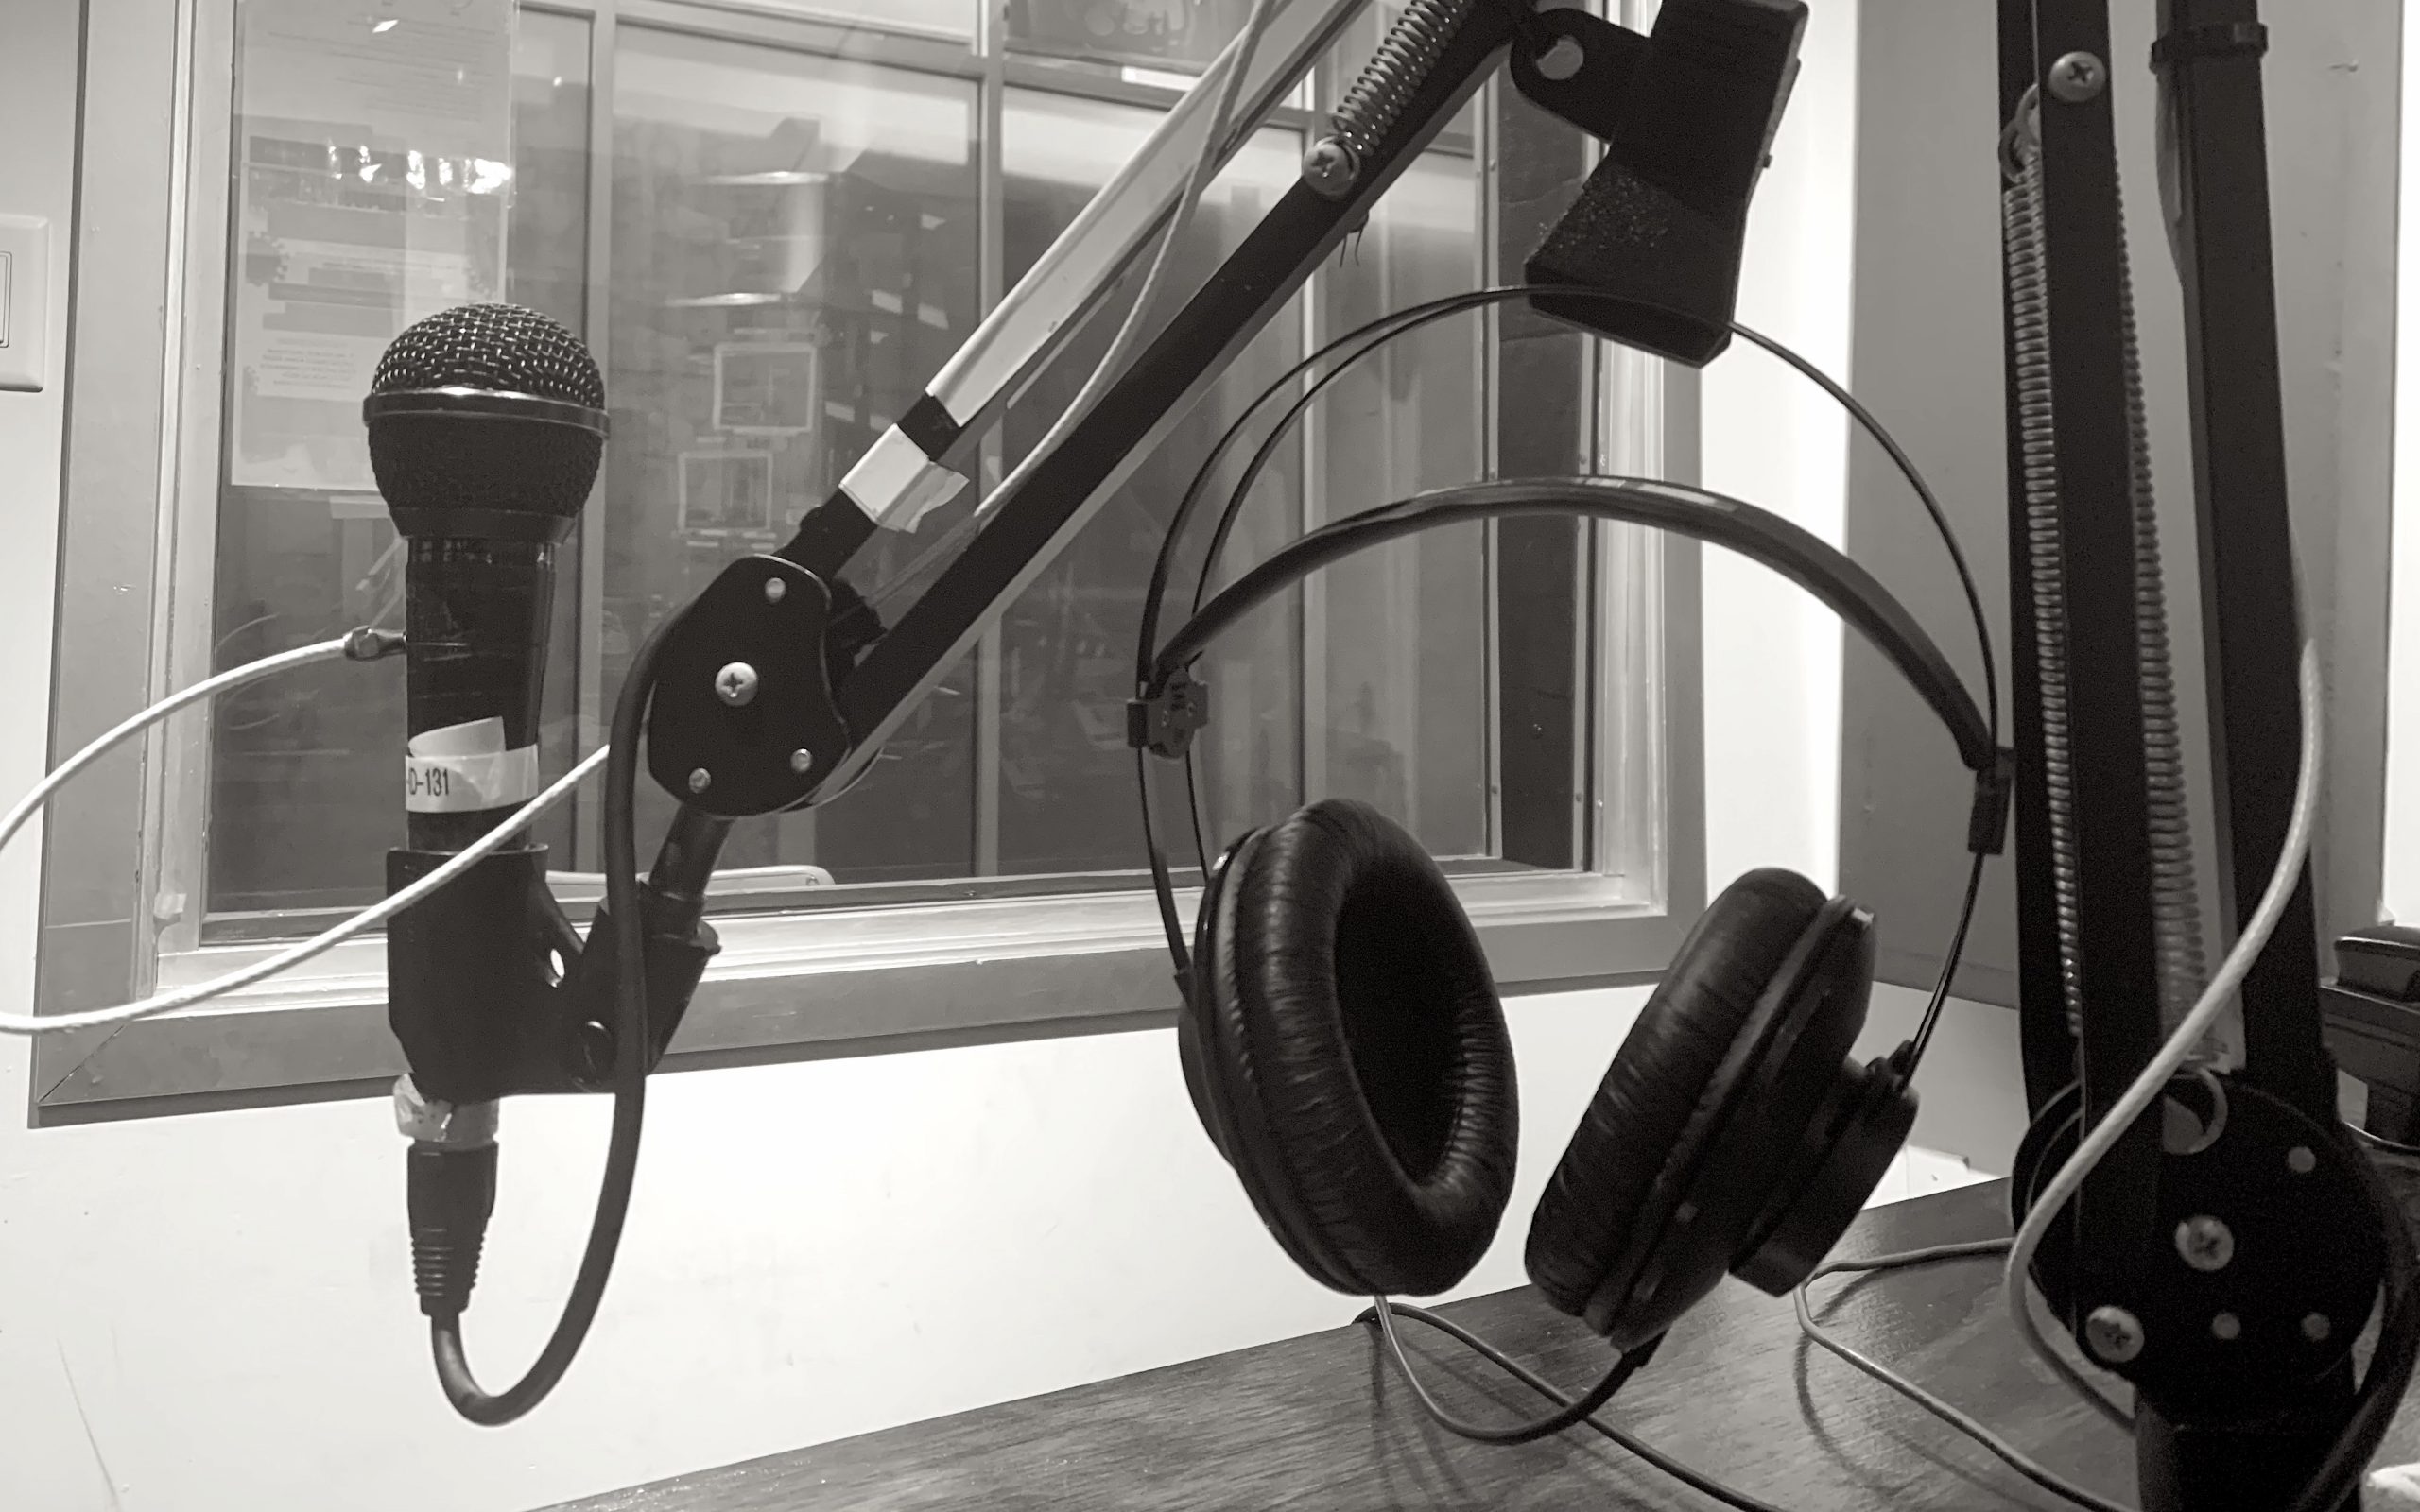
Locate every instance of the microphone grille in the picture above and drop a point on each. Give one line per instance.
(500, 348)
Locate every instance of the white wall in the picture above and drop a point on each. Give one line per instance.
(213, 1313)
(217, 1309)
(1772, 654)
(2402, 836)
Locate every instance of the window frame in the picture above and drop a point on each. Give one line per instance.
(137, 547)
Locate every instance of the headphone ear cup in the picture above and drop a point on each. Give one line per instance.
(1597, 1224)
(1841, 1155)
(1194, 1028)
(1352, 1036)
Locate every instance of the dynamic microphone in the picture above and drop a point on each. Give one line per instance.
(486, 424)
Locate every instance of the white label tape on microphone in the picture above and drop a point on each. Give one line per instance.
(463, 769)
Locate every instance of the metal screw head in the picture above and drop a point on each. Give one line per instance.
(2113, 1334)
(736, 684)
(2204, 1242)
(2226, 1328)
(2079, 77)
(774, 589)
(2300, 1161)
(1329, 167)
(1562, 60)
(801, 761)
(593, 1045)
(699, 779)
(2316, 1327)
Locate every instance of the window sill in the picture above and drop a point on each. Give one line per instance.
(792, 986)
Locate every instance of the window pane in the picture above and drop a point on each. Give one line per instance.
(1407, 627)
(339, 239)
(794, 253)
(1067, 647)
(1160, 34)
(953, 18)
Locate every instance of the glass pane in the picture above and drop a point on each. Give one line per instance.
(1067, 647)
(1160, 34)
(952, 18)
(794, 253)
(1406, 627)
(344, 232)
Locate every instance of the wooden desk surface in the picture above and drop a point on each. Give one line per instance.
(1323, 1422)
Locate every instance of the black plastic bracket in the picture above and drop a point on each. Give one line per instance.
(743, 720)
(677, 947)
(2229, 39)
(1987, 819)
(1592, 58)
(1660, 226)
(1165, 723)
(491, 993)
(2266, 1263)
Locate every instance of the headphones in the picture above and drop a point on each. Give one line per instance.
(1346, 1052)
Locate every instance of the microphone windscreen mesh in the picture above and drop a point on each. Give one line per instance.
(501, 348)
(434, 466)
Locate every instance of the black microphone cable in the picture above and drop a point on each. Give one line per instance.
(630, 1041)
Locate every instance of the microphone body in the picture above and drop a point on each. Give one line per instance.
(475, 613)
(486, 424)
(486, 427)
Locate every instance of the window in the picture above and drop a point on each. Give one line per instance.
(772, 224)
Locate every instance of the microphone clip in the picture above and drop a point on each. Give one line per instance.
(491, 992)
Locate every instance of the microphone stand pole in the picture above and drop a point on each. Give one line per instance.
(2216, 1428)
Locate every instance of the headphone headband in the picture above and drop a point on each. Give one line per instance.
(1842, 586)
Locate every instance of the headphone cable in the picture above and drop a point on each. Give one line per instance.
(1572, 1411)
(1383, 1311)
(2380, 1142)
(2001, 1449)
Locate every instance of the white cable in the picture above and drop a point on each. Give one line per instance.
(321, 943)
(133, 724)
(18, 1024)
(2102, 1137)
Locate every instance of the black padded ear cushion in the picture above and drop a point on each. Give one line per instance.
(1354, 1038)
(1586, 1217)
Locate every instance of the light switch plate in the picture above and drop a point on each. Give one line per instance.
(25, 302)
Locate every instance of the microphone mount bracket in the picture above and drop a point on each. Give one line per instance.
(1574, 65)
(2267, 1265)
(491, 992)
(742, 720)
